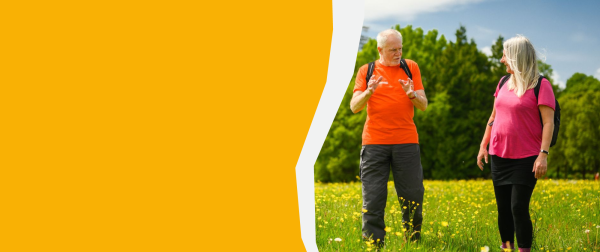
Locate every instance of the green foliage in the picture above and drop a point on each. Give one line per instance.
(459, 81)
(546, 71)
(339, 157)
(498, 69)
(464, 82)
(581, 83)
(576, 151)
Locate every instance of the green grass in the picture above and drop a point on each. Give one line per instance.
(562, 211)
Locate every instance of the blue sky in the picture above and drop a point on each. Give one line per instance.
(566, 33)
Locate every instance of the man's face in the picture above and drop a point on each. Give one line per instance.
(391, 51)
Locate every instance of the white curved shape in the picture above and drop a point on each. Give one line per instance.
(347, 26)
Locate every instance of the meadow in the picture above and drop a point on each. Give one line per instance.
(461, 216)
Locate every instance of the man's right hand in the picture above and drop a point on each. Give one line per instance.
(373, 84)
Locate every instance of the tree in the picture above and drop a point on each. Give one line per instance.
(463, 79)
(339, 160)
(498, 68)
(577, 144)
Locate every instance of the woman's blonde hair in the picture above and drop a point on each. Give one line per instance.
(521, 57)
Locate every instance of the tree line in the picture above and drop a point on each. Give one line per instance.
(460, 81)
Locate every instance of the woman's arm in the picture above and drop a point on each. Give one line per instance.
(541, 163)
(483, 153)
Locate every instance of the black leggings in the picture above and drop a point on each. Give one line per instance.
(513, 213)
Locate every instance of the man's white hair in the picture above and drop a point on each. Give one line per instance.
(383, 36)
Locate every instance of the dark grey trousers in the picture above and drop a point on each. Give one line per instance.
(404, 160)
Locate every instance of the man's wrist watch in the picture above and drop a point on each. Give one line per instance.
(544, 151)
(414, 96)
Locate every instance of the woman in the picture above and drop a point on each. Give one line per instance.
(518, 142)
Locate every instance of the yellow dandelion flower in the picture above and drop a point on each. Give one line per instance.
(404, 207)
(364, 210)
(388, 229)
(444, 223)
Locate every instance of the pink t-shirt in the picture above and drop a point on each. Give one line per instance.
(517, 130)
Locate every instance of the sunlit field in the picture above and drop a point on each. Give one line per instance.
(461, 216)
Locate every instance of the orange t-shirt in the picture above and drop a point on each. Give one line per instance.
(389, 110)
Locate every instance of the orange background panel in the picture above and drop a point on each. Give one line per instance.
(157, 126)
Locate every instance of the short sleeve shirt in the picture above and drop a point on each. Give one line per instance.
(517, 130)
(389, 110)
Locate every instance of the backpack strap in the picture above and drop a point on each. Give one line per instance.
(370, 73)
(371, 68)
(404, 66)
(503, 80)
(536, 90)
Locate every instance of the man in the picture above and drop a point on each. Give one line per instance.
(390, 138)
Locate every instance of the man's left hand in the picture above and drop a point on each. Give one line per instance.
(408, 87)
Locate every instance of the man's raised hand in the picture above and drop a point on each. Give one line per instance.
(373, 84)
(408, 86)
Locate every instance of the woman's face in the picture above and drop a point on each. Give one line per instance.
(503, 60)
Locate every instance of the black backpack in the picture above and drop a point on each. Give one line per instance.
(372, 67)
(536, 91)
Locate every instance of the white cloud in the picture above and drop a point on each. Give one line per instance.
(404, 10)
(487, 50)
(597, 74)
(557, 80)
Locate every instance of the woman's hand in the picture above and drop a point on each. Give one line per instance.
(540, 165)
(483, 154)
